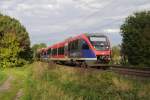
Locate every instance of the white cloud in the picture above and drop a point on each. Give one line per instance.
(62, 18)
(144, 7)
(112, 30)
(23, 7)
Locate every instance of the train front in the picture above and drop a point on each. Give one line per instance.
(101, 47)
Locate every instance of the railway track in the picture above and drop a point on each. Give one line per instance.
(138, 72)
(125, 70)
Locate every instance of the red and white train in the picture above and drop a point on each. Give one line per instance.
(85, 50)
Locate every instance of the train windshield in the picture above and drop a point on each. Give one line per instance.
(98, 39)
(99, 43)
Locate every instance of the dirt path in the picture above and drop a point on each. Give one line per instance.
(19, 94)
(7, 84)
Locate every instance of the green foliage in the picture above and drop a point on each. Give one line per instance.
(14, 43)
(9, 51)
(136, 38)
(35, 49)
(116, 56)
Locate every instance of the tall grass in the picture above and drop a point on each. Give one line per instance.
(51, 82)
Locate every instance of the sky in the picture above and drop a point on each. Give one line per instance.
(52, 21)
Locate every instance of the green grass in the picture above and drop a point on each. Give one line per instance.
(65, 83)
(40, 81)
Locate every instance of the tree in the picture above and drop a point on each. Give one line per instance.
(136, 38)
(12, 30)
(36, 47)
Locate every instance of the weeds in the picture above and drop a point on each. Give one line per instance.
(51, 82)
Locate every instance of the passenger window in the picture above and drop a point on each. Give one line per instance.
(84, 45)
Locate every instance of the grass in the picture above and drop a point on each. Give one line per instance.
(42, 81)
(65, 83)
(18, 81)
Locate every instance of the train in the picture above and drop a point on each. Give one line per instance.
(83, 50)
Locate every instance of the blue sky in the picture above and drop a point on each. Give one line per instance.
(51, 21)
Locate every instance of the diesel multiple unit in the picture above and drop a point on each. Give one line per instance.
(84, 50)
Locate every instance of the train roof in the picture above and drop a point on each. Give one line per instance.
(57, 45)
(60, 44)
(85, 34)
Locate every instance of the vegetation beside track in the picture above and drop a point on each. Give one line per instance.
(68, 83)
(42, 81)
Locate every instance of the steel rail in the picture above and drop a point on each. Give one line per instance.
(143, 72)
